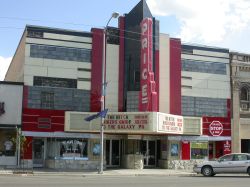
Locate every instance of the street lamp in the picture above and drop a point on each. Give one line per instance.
(114, 15)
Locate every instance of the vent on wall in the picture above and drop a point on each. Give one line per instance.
(44, 123)
(244, 106)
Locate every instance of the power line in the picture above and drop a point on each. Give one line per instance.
(79, 24)
(68, 23)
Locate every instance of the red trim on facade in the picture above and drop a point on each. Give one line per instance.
(219, 149)
(226, 122)
(175, 76)
(25, 96)
(27, 149)
(157, 75)
(96, 70)
(185, 147)
(121, 65)
(43, 120)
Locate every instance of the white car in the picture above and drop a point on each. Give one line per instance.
(229, 163)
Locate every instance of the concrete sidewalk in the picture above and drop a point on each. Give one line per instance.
(108, 172)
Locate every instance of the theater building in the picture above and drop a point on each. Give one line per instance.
(154, 95)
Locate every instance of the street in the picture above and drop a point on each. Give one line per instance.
(124, 181)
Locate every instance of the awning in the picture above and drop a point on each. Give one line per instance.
(59, 134)
(199, 138)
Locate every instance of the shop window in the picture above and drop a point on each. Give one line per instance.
(68, 148)
(199, 150)
(174, 149)
(7, 143)
(96, 149)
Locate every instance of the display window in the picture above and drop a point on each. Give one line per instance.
(174, 149)
(67, 148)
(199, 150)
(7, 142)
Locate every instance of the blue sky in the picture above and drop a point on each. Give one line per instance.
(221, 23)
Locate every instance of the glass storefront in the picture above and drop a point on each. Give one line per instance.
(8, 153)
(199, 150)
(68, 148)
(7, 142)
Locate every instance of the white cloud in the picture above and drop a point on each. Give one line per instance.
(209, 21)
(4, 65)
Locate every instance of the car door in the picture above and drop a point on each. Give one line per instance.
(224, 164)
(240, 163)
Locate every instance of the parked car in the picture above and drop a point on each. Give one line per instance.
(229, 163)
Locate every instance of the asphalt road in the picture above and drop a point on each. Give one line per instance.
(125, 181)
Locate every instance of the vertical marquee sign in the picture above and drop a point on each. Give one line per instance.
(148, 95)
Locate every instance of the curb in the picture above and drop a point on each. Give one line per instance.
(84, 174)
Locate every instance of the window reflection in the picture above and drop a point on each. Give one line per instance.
(67, 148)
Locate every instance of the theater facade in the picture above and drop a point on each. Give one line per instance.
(161, 96)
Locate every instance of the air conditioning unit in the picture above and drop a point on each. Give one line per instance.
(244, 106)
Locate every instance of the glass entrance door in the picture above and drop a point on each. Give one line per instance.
(148, 149)
(113, 152)
(38, 153)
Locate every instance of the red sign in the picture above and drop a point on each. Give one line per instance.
(227, 147)
(147, 96)
(215, 128)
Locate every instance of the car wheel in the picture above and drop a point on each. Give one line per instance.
(248, 171)
(207, 171)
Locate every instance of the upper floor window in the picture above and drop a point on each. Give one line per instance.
(55, 82)
(35, 34)
(244, 99)
(47, 100)
(244, 94)
(60, 53)
(204, 67)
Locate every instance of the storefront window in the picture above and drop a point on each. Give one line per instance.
(96, 149)
(199, 150)
(67, 148)
(174, 149)
(7, 144)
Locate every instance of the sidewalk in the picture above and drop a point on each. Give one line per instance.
(108, 172)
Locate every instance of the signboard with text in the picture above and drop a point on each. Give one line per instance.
(118, 122)
(126, 122)
(168, 123)
(215, 128)
(11, 99)
(147, 95)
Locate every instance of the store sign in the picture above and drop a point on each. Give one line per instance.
(215, 128)
(2, 111)
(227, 146)
(147, 96)
(114, 122)
(124, 122)
(170, 123)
